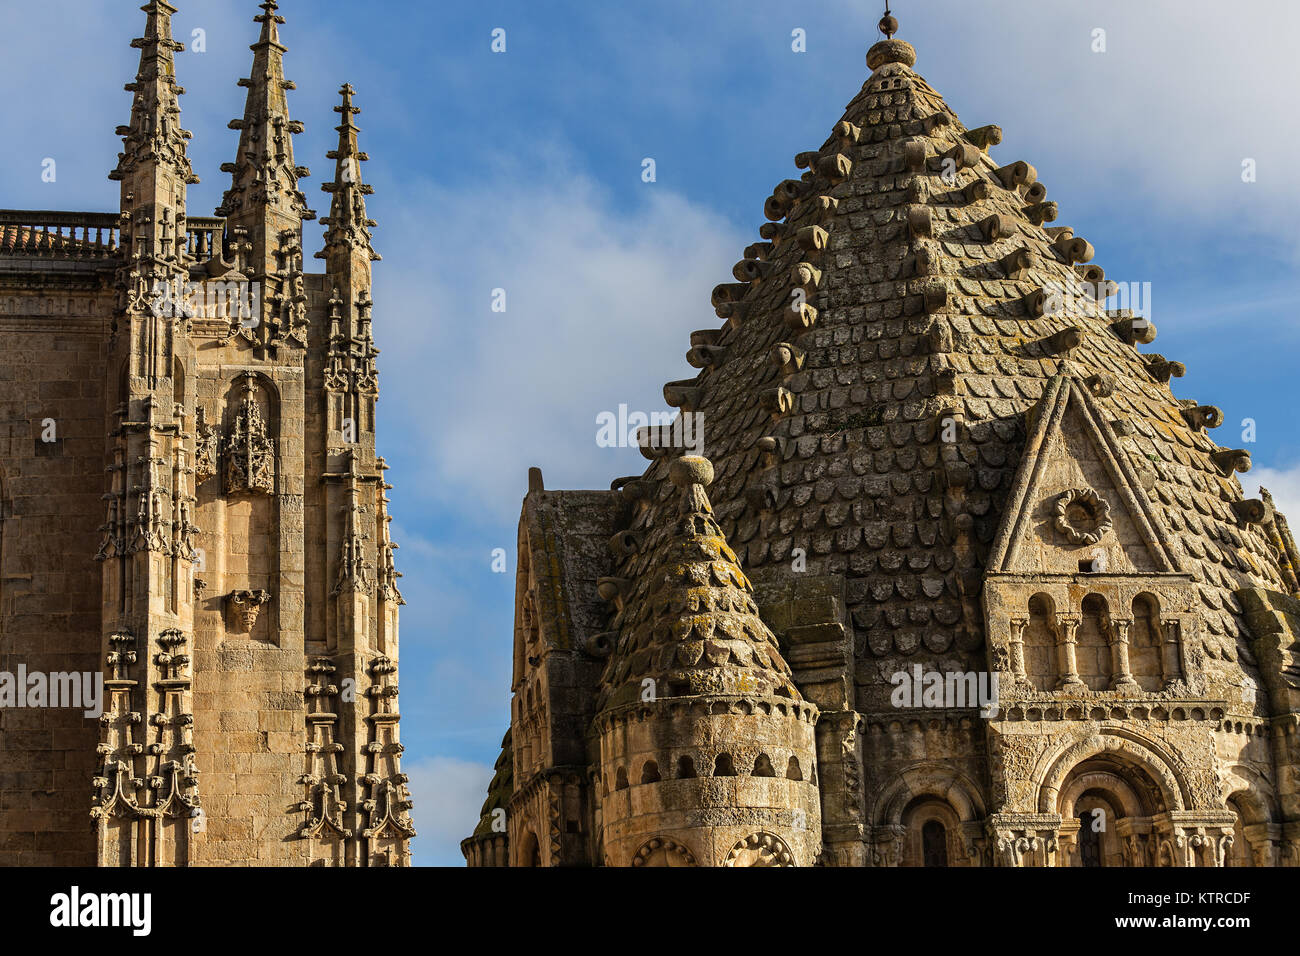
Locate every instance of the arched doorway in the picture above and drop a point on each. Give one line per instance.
(1113, 802)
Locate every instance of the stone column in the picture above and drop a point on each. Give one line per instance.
(1288, 850)
(887, 845)
(975, 842)
(1018, 625)
(1135, 836)
(1123, 675)
(1264, 840)
(1068, 663)
(1068, 839)
(1169, 664)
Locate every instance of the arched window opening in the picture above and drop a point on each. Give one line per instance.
(723, 767)
(620, 779)
(650, 772)
(685, 768)
(763, 767)
(1092, 644)
(1040, 643)
(929, 823)
(1144, 643)
(792, 770)
(934, 844)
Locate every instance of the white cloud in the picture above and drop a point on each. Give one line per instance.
(1164, 117)
(448, 794)
(1284, 485)
(600, 303)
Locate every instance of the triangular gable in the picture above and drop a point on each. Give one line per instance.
(1072, 473)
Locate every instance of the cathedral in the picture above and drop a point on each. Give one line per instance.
(194, 510)
(953, 579)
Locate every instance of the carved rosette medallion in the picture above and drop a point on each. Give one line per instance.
(1082, 515)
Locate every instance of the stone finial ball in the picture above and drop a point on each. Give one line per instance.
(888, 25)
(691, 470)
(890, 51)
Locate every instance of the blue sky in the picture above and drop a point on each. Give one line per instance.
(522, 171)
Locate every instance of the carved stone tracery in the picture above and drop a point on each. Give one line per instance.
(249, 451)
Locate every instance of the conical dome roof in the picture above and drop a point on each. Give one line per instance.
(500, 789)
(910, 284)
(687, 619)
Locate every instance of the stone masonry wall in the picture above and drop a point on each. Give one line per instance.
(52, 358)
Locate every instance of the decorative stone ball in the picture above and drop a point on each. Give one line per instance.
(691, 470)
(890, 51)
(888, 25)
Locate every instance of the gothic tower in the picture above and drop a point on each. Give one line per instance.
(248, 629)
(937, 452)
(147, 792)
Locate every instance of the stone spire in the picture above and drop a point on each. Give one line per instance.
(264, 199)
(153, 166)
(697, 700)
(348, 254)
(347, 229)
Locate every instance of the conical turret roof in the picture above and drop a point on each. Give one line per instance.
(500, 790)
(687, 619)
(866, 400)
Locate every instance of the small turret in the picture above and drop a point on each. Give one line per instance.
(706, 747)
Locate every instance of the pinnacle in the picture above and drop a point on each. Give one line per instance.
(264, 196)
(269, 20)
(154, 134)
(347, 226)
